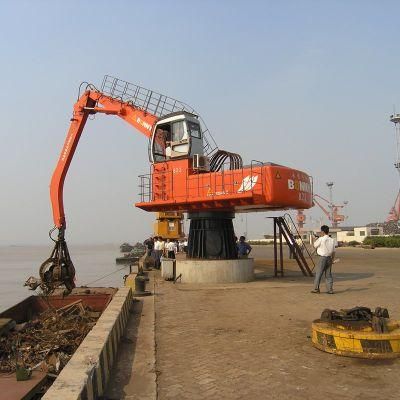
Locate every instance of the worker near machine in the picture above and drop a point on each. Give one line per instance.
(158, 250)
(185, 245)
(243, 248)
(171, 248)
(149, 243)
(325, 247)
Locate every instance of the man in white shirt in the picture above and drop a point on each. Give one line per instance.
(158, 250)
(171, 248)
(325, 246)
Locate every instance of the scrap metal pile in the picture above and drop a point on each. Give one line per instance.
(358, 317)
(47, 342)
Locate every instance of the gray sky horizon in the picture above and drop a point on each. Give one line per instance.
(306, 84)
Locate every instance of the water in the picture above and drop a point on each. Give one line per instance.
(92, 262)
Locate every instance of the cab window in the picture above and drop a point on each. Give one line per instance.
(178, 131)
(159, 145)
(194, 129)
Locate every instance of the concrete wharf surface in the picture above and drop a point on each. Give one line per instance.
(252, 340)
(134, 374)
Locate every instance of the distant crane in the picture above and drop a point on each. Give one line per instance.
(330, 209)
(394, 213)
(333, 210)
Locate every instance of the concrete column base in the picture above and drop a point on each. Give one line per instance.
(215, 271)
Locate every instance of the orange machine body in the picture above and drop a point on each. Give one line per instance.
(175, 185)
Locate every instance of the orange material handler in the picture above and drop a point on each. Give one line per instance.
(188, 173)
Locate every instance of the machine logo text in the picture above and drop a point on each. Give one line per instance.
(145, 124)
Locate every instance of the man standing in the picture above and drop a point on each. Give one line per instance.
(243, 248)
(171, 248)
(158, 250)
(325, 246)
(185, 245)
(149, 243)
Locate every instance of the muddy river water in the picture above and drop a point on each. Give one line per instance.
(91, 262)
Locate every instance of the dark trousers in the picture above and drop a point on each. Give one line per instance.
(158, 254)
(171, 254)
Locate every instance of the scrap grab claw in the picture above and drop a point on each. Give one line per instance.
(57, 270)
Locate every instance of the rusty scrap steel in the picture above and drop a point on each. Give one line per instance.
(358, 317)
(48, 341)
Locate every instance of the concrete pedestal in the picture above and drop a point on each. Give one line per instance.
(167, 268)
(215, 271)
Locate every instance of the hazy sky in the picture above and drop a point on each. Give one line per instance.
(308, 84)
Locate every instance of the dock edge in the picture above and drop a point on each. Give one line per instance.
(87, 373)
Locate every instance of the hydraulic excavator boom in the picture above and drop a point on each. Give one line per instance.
(58, 269)
(91, 102)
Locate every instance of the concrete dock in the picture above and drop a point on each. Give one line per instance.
(252, 341)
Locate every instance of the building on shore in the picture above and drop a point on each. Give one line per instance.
(345, 234)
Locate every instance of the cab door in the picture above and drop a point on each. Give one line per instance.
(179, 146)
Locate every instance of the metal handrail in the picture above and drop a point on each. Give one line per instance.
(228, 184)
(155, 103)
(145, 187)
(298, 234)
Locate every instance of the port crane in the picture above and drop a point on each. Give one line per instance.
(394, 213)
(188, 173)
(333, 213)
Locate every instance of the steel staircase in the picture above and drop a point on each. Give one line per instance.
(295, 243)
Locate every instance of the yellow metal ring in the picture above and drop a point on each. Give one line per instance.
(364, 343)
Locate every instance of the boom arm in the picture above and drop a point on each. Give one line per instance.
(58, 269)
(91, 102)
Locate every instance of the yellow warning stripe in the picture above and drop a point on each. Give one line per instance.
(356, 343)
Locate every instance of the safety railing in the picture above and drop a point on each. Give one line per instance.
(160, 184)
(295, 232)
(145, 188)
(154, 103)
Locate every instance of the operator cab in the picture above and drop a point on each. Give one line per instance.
(177, 135)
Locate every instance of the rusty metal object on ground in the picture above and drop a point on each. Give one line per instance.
(22, 373)
(357, 332)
